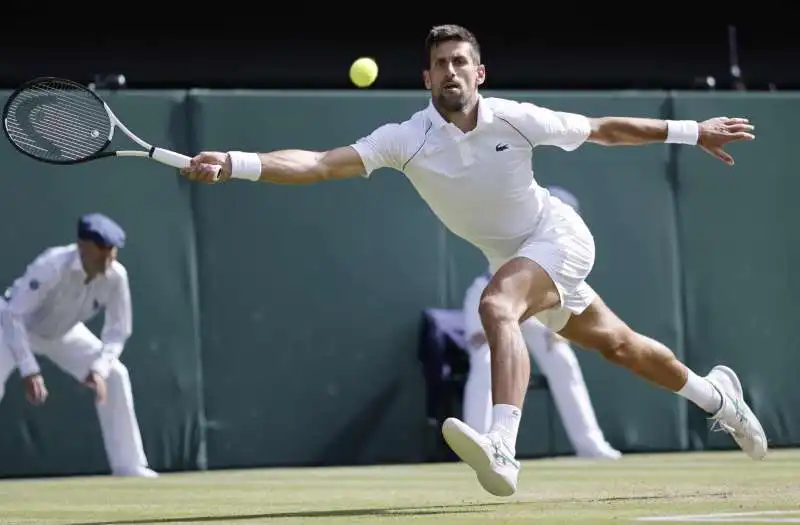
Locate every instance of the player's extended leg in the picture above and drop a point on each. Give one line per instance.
(719, 393)
(519, 289)
(75, 354)
(558, 362)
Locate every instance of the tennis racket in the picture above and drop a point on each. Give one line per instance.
(59, 121)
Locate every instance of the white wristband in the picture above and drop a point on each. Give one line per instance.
(245, 165)
(682, 132)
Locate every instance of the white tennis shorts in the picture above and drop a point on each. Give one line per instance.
(564, 247)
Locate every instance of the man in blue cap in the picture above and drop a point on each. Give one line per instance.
(44, 313)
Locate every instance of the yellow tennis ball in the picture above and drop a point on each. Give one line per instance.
(363, 72)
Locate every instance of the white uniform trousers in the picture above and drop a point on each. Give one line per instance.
(75, 353)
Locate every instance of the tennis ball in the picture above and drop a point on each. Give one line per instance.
(363, 72)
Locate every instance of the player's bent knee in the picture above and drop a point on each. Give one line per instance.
(495, 308)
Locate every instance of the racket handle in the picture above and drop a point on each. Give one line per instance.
(176, 160)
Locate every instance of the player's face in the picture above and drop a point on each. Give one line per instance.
(454, 75)
(95, 258)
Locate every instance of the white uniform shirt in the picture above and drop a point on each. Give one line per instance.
(480, 184)
(53, 296)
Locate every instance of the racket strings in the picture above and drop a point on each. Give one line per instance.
(58, 121)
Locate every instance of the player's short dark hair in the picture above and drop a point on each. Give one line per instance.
(448, 33)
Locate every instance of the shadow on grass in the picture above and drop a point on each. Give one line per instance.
(384, 512)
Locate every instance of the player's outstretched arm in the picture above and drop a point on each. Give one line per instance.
(281, 167)
(711, 135)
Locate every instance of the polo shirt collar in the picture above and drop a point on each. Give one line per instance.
(485, 114)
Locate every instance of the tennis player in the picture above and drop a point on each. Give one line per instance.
(464, 153)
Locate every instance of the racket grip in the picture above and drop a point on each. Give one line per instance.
(170, 158)
(176, 160)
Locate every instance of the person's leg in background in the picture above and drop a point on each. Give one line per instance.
(7, 366)
(559, 364)
(477, 399)
(75, 353)
(478, 389)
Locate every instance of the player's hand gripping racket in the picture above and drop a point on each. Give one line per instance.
(59, 121)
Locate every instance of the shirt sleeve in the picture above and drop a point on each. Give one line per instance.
(117, 325)
(24, 297)
(545, 127)
(383, 148)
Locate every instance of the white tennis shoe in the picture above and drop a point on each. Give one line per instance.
(488, 455)
(735, 417)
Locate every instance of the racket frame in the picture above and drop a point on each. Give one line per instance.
(164, 156)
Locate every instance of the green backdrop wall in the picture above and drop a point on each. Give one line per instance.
(278, 325)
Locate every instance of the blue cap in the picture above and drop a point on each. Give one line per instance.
(101, 230)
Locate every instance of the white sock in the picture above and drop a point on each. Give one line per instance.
(505, 421)
(702, 393)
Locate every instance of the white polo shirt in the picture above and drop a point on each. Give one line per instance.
(480, 184)
(53, 296)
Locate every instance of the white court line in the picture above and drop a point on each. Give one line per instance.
(763, 516)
